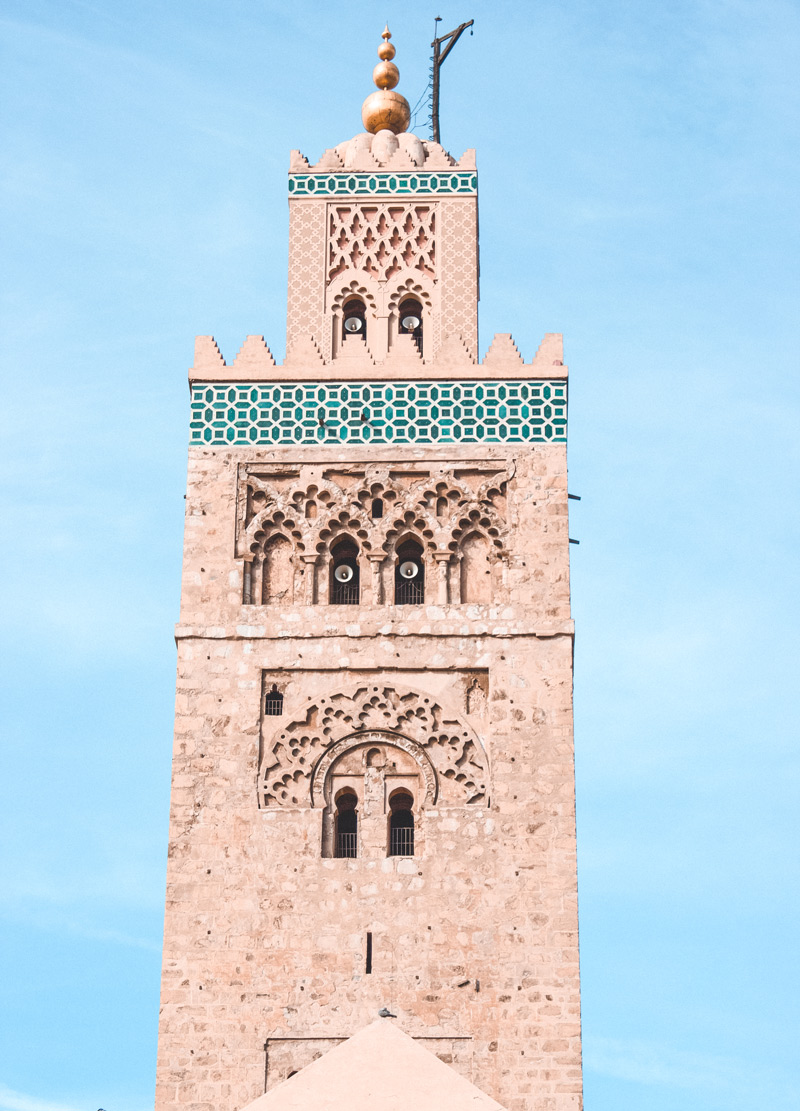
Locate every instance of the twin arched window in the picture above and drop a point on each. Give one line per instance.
(409, 320)
(409, 573)
(401, 824)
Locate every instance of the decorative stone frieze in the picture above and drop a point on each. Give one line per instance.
(297, 756)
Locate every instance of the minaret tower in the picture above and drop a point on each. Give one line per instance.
(373, 785)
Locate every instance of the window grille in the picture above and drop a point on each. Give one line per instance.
(345, 594)
(401, 841)
(347, 845)
(407, 592)
(273, 703)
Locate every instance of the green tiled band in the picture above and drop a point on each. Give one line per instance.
(466, 412)
(457, 183)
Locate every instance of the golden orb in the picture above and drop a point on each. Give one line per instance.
(386, 110)
(386, 75)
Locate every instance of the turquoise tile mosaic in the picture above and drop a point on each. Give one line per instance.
(457, 183)
(464, 412)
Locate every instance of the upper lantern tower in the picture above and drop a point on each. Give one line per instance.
(373, 785)
(383, 231)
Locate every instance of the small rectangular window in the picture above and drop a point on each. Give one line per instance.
(369, 954)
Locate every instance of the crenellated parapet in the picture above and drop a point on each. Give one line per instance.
(365, 153)
(254, 361)
(354, 400)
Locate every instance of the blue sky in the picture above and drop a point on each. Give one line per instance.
(639, 174)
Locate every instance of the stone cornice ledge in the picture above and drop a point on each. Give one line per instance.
(438, 623)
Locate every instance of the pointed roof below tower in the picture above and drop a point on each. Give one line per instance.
(379, 1067)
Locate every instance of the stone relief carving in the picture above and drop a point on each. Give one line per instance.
(381, 738)
(297, 755)
(312, 507)
(381, 239)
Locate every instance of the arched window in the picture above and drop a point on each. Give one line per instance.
(409, 575)
(354, 319)
(345, 577)
(346, 831)
(377, 508)
(441, 507)
(277, 572)
(273, 703)
(401, 824)
(476, 570)
(409, 320)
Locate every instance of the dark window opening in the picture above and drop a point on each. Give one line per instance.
(401, 824)
(410, 321)
(346, 825)
(368, 962)
(377, 508)
(409, 575)
(345, 576)
(273, 703)
(354, 322)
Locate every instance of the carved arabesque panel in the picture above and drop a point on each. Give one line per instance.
(292, 753)
(381, 239)
(438, 506)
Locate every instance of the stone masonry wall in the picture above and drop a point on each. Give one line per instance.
(474, 938)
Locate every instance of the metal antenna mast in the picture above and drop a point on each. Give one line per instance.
(439, 56)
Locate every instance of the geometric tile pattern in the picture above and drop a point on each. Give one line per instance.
(382, 185)
(465, 412)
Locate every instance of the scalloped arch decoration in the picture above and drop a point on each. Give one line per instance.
(292, 754)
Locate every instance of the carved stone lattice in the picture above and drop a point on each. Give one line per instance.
(382, 240)
(437, 507)
(294, 754)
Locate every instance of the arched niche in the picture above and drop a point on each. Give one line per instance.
(277, 572)
(374, 772)
(476, 568)
(352, 758)
(295, 757)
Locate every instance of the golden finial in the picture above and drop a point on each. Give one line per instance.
(386, 110)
